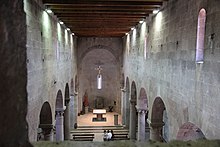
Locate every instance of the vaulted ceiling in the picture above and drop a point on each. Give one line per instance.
(102, 18)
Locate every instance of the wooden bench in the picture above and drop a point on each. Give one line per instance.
(120, 136)
(83, 137)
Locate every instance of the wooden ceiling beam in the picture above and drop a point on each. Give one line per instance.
(104, 2)
(113, 8)
(101, 12)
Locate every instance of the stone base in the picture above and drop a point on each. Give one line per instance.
(86, 110)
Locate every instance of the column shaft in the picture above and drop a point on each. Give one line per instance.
(141, 125)
(59, 126)
(67, 122)
(132, 129)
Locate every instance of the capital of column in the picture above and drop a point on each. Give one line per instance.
(123, 89)
(75, 93)
(59, 112)
(133, 102)
(141, 111)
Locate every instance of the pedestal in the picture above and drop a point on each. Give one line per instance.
(86, 109)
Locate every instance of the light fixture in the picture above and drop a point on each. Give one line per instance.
(61, 22)
(49, 11)
(155, 11)
(73, 34)
(141, 21)
(126, 33)
(68, 29)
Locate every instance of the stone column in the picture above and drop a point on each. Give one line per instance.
(123, 108)
(141, 124)
(156, 131)
(47, 131)
(59, 124)
(72, 111)
(67, 120)
(132, 129)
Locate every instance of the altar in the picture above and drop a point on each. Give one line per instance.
(99, 113)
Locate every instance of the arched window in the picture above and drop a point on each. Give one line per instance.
(200, 36)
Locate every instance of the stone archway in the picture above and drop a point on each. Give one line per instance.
(189, 131)
(59, 117)
(133, 114)
(142, 107)
(156, 124)
(67, 114)
(45, 125)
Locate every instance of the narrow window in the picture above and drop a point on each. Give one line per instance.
(99, 77)
(99, 81)
(200, 36)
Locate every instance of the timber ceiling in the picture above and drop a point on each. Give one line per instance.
(102, 18)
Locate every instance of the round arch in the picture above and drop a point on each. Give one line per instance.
(59, 116)
(189, 131)
(67, 93)
(142, 101)
(97, 47)
(46, 114)
(46, 123)
(108, 94)
(159, 121)
(133, 92)
(59, 100)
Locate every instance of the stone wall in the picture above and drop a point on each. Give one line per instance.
(51, 62)
(166, 67)
(13, 75)
(107, 51)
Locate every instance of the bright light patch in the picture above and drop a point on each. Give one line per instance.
(68, 29)
(141, 21)
(155, 11)
(61, 22)
(128, 43)
(158, 21)
(99, 81)
(49, 11)
(66, 36)
(59, 32)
